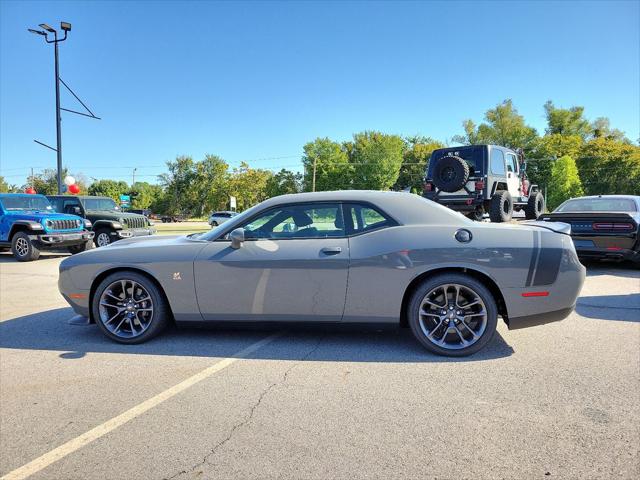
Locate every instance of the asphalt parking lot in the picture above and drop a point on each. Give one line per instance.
(555, 401)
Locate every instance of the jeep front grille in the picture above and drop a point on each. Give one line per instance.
(136, 222)
(62, 224)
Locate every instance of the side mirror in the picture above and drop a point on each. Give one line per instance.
(237, 237)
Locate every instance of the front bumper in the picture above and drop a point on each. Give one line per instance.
(134, 232)
(54, 240)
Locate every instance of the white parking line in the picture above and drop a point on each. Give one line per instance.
(71, 446)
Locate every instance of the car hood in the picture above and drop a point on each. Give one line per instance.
(38, 215)
(151, 241)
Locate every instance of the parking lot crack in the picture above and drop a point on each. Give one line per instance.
(248, 418)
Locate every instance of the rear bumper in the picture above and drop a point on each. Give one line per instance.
(460, 203)
(54, 240)
(540, 318)
(595, 253)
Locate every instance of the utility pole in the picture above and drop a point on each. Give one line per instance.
(133, 177)
(58, 119)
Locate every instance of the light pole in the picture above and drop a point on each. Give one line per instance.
(46, 29)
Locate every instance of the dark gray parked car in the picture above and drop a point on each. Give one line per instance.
(352, 256)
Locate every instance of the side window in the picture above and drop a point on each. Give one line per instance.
(512, 163)
(68, 206)
(365, 218)
(297, 221)
(497, 162)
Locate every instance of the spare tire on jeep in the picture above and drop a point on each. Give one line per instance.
(450, 173)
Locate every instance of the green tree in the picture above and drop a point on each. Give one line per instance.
(4, 186)
(601, 128)
(415, 160)
(564, 182)
(565, 121)
(333, 171)
(608, 166)
(144, 194)
(109, 188)
(376, 158)
(547, 149)
(503, 126)
(180, 197)
(210, 184)
(283, 182)
(248, 185)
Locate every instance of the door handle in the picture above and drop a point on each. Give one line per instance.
(331, 250)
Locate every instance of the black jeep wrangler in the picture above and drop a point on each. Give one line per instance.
(109, 222)
(479, 179)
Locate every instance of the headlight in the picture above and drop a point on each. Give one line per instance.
(151, 224)
(49, 223)
(87, 223)
(116, 225)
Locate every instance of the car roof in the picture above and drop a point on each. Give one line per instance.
(21, 195)
(629, 197)
(407, 208)
(83, 197)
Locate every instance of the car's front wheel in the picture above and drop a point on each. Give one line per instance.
(453, 315)
(103, 237)
(129, 308)
(214, 224)
(23, 248)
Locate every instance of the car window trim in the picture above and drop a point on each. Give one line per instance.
(351, 232)
(224, 233)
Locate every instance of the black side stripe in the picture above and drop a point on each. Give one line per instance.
(535, 253)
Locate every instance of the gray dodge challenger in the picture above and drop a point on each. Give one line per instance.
(346, 256)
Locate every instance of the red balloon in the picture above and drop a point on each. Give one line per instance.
(30, 190)
(74, 188)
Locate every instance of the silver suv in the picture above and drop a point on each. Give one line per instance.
(479, 179)
(216, 218)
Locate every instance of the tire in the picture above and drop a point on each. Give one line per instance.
(122, 326)
(450, 173)
(102, 238)
(88, 245)
(535, 206)
(426, 329)
(476, 215)
(214, 224)
(23, 248)
(501, 207)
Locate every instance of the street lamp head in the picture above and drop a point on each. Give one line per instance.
(39, 32)
(46, 27)
(66, 26)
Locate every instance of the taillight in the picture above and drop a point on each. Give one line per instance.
(479, 185)
(427, 187)
(613, 226)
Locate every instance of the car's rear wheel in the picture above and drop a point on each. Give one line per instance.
(535, 206)
(129, 308)
(453, 315)
(501, 207)
(23, 248)
(214, 224)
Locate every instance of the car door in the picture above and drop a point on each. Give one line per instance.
(292, 266)
(513, 179)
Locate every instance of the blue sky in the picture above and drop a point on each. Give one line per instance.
(255, 81)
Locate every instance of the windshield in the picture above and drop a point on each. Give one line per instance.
(25, 202)
(598, 205)
(99, 204)
(216, 231)
(474, 156)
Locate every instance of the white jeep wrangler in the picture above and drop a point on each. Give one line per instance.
(476, 179)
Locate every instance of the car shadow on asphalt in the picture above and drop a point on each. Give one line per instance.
(621, 308)
(7, 257)
(619, 269)
(340, 343)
